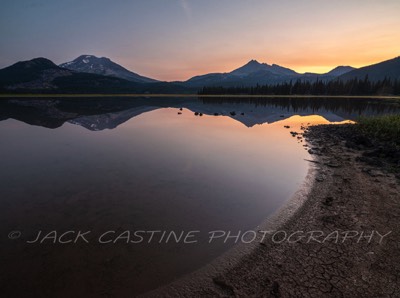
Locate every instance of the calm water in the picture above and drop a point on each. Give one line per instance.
(117, 166)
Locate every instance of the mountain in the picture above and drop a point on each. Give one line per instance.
(254, 67)
(337, 71)
(340, 70)
(41, 75)
(104, 66)
(380, 71)
(253, 73)
(35, 70)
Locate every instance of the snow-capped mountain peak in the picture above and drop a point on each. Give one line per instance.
(104, 66)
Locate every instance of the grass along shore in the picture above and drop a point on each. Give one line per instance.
(384, 128)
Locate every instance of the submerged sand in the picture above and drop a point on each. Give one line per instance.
(338, 237)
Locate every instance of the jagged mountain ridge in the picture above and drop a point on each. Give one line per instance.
(254, 66)
(254, 73)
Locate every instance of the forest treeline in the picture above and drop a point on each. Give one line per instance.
(319, 87)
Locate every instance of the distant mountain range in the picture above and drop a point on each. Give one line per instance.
(254, 73)
(41, 75)
(90, 74)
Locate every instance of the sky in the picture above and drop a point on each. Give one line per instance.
(177, 39)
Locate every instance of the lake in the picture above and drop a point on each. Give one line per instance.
(118, 196)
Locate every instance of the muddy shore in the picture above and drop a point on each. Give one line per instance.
(342, 240)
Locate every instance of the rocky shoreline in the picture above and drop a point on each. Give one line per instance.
(343, 241)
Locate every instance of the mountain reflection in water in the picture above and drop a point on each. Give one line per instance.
(108, 113)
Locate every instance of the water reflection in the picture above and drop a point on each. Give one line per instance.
(145, 168)
(108, 113)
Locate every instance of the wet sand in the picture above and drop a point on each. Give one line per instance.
(344, 224)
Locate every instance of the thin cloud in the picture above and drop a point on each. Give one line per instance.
(186, 8)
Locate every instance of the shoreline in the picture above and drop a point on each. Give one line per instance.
(344, 192)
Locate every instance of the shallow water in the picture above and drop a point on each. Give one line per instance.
(112, 168)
